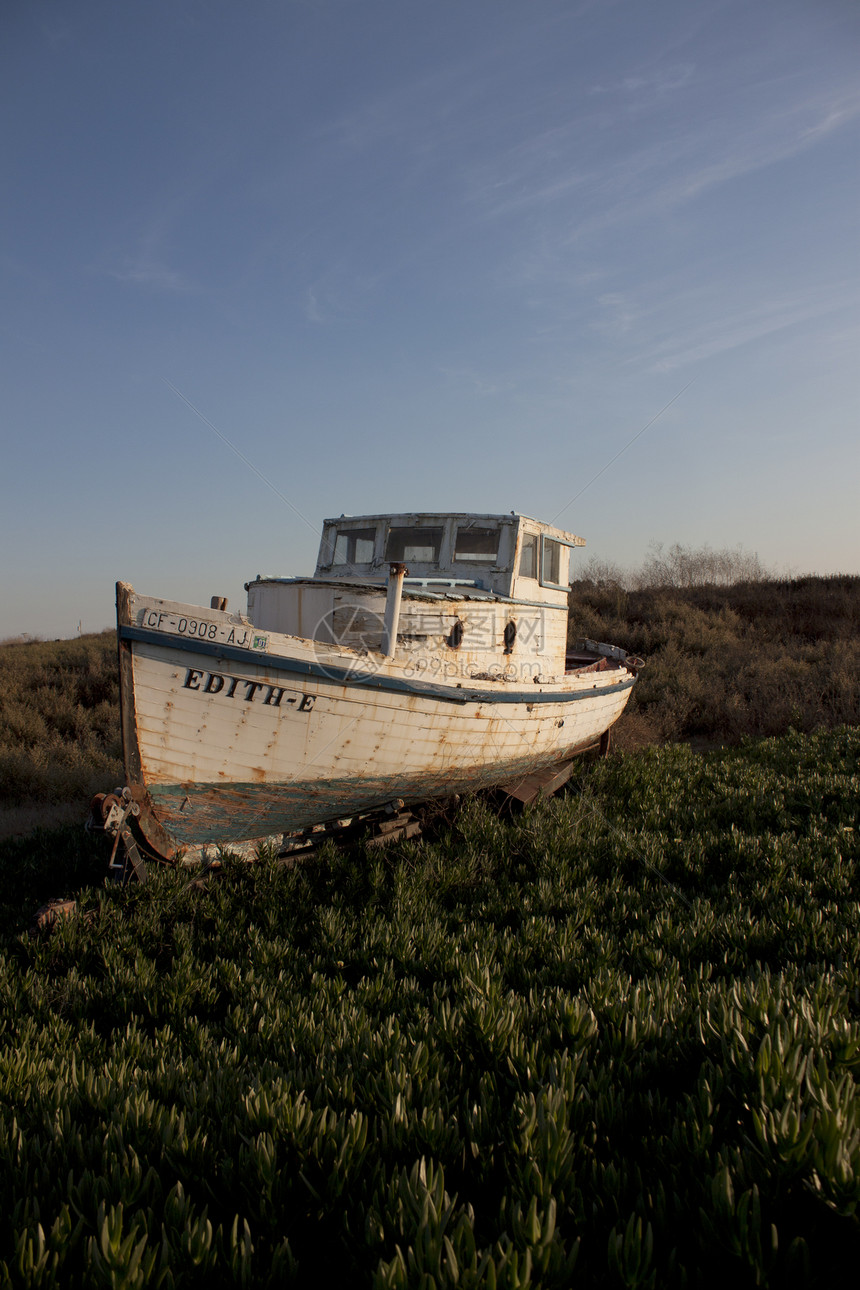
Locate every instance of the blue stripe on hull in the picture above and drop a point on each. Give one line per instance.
(366, 682)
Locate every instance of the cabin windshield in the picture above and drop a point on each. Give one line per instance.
(476, 545)
(550, 563)
(421, 545)
(354, 546)
(529, 556)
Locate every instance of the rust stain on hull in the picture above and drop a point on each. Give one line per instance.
(197, 813)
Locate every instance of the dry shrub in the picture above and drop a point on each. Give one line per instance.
(724, 663)
(59, 719)
(679, 566)
(636, 729)
(684, 566)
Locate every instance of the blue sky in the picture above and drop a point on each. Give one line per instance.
(439, 255)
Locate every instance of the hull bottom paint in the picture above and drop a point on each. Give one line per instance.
(197, 814)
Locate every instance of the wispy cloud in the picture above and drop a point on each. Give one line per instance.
(55, 30)
(775, 137)
(313, 311)
(337, 295)
(731, 330)
(559, 168)
(485, 386)
(150, 275)
(839, 115)
(658, 82)
(561, 171)
(145, 262)
(618, 314)
(421, 115)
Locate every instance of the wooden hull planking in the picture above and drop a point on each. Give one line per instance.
(224, 744)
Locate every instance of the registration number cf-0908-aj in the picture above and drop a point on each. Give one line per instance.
(160, 620)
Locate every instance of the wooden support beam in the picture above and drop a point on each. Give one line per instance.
(541, 783)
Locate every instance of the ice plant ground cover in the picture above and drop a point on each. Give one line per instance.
(614, 1041)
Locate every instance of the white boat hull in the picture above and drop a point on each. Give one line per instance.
(225, 743)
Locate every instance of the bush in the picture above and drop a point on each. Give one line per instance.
(725, 663)
(683, 566)
(59, 719)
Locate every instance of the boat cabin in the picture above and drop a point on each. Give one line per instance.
(510, 555)
(490, 586)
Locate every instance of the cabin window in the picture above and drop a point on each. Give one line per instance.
(529, 556)
(550, 571)
(354, 546)
(419, 545)
(550, 563)
(478, 546)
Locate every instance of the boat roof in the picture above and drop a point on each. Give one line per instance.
(437, 517)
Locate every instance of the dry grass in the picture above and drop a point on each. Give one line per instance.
(726, 663)
(59, 721)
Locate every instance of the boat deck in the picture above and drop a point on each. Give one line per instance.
(581, 661)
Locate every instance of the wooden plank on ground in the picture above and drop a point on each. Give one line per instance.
(540, 783)
(394, 830)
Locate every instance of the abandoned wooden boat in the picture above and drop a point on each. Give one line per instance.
(426, 656)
